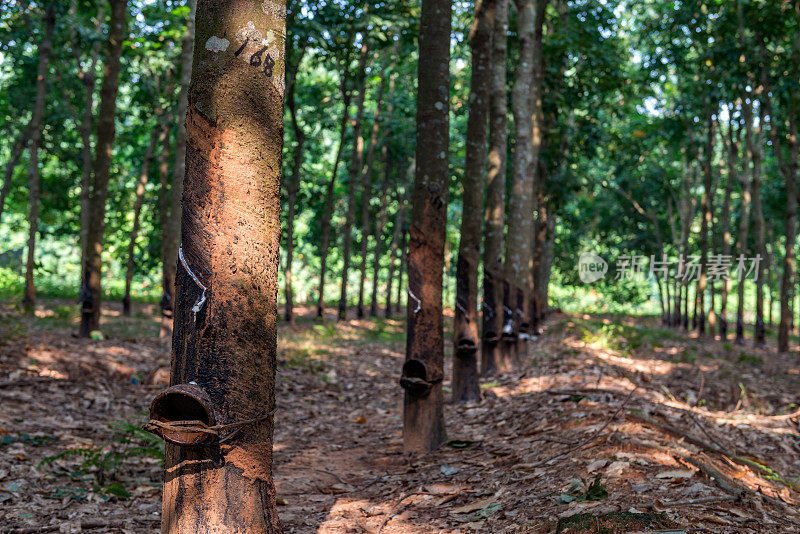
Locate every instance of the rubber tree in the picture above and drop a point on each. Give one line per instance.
(292, 186)
(465, 328)
(707, 210)
(45, 51)
(137, 211)
(172, 230)
(423, 414)
(518, 257)
(356, 163)
(91, 293)
(494, 211)
(224, 342)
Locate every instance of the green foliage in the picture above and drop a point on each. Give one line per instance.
(128, 445)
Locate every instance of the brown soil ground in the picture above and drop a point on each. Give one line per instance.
(607, 417)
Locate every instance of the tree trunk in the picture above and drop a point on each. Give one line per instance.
(172, 231)
(294, 181)
(744, 223)
(366, 196)
(91, 285)
(89, 79)
(137, 210)
(757, 156)
(422, 374)
(706, 206)
(327, 213)
(520, 222)
(465, 384)
(13, 161)
(397, 248)
(403, 253)
(164, 142)
(494, 213)
(725, 224)
(224, 349)
(381, 223)
(355, 169)
(45, 50)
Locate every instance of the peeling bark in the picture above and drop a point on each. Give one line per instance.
(91, 293)
(423, 417)
(226, 344)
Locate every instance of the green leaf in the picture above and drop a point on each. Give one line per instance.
(117, 490)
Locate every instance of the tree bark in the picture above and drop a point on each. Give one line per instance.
(366, 196)
(383, 214)
(294, 181)
(355, 169)
(494, 213)
(172, 230)
(226, 315)
(465, 384)
(725, 224)
(89, 79)
(91, 284)
(757, 156)
(137, 210)
(13, 161)
(327, 213)
(45, 50)
(423, 417)
(707, 210)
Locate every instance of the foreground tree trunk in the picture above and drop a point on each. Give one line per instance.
(172, 231)
(423, 417)
(45, 50)
(494, 213)
(294, 181)
(355, 170)
(137, 210)
(224, 349)
(91, 294)
(465, 327)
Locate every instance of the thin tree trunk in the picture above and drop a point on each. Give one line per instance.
(379, 227)
(725, 224)
(91, 285)
(89, 79)
(757, 156)
(366, 196)
(398, 244)
(13, 161)
(224, 349)
(423, 370)
(45, 50)
(355, 169)
(172, 231)
(465, 385)
(137, 210)
(164, 143)
(327, 213)
(494, 213)
(294, 181)
(744, 222)
(707, 211)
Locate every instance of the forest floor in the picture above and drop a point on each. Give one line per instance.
(610, 425)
